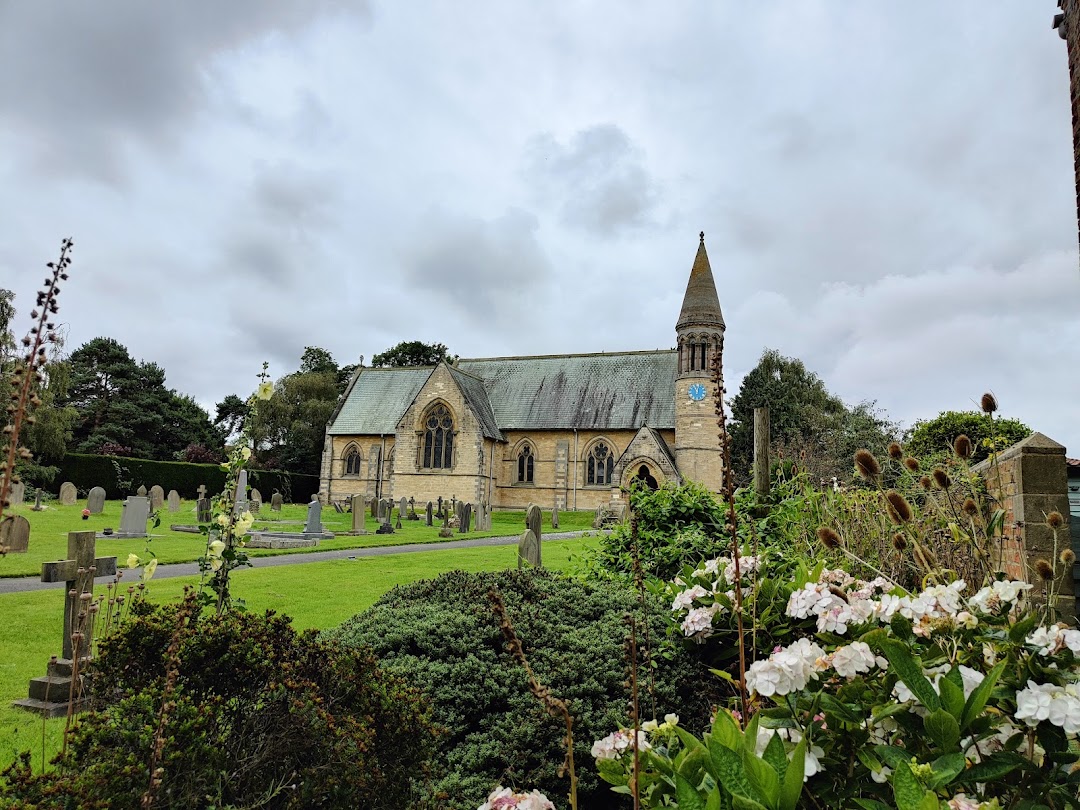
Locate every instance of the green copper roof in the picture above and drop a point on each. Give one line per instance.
(377, 399)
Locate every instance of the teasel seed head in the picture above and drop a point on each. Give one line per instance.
(962, 446)
(924, 557)
(912, 463)
(867, 465)
(988, 403)
(1044, 569)
(1055, 520)
(899, 508)
(1067, 557)
(925, 482)
(828, 537)
(970, 507)
(899, 541)
(941, 478)
(895, 451)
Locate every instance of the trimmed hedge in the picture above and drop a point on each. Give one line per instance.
(88, 471)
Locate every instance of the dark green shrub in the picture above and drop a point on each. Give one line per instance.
(262, 716)
(935, 436)
(442, 636)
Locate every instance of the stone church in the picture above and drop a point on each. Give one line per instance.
(566, 430)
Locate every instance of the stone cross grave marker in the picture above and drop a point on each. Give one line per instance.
(275, 502)
(427, 514)
(453, 504)
(398, 524)
(534, 520)
(95, 500)
(528, 550)
(358, 526)
(141, 491)
(17, 494)
(439, 511)
(15, 534)
(37, 507)
(157, 497)
(201, 490)
(133, 517)
(314, 516)
(174, 500)
(68, 493)
(412, 509)
(555, 516)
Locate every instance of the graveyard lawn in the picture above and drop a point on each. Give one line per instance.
(49, 529)
(316, 595)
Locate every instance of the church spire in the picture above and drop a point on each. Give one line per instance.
(701, 305)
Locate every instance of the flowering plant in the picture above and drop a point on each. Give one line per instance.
(503, 798)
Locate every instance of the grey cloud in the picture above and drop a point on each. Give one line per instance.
(599, 180)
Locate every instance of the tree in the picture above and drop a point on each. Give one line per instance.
(413, 353)
(230, 416)
(289, 428)
(928, 437)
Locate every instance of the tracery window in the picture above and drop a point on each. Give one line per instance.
(525, 465)
(600, 465)
(438, 439)
(352, 461)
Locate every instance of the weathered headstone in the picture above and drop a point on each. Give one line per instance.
(466, 518)
(453, 504)
(240, 503)
(275, 502)
(373, 503)
(37, 507)
(555, 516)
(50, 695)
(314, 517)
(403, 510)
(358, 526)
(157, 497)
(255, 495)
(95, 500)
(204, 509)
(398, 524)
(427, 514)
(201, 490)
(17, 494)
(141, 491)
(68, 493)
(15, 534)
(254, 506)
(173, 500)
(337, 508)
(534, 519)
(133, 518)
(528, 549)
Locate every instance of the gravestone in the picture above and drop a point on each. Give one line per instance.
(133, 518)
(256, 495)
(17, 494)
(453, 504)
(314, 517)
(528, 550)
(141, 491)
(240, 504)
(373, 507)
(50, 694)
(427, 514)
(412, 509)
(37, 507)
(68, 493)
(157, 497)
(466, 518)
(358, 526)
(439, 511)
(204, 509)
(254, 506)
(398, 524)
(174, 500)
(275, 502)
(403, 510)
(15, 534)
(534, 520)
(95, 501)
(555, 516)
(337, 508)
(201, 490)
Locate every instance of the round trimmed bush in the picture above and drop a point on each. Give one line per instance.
(443, 638)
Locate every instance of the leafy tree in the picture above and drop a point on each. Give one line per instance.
(289, 428)
(7, 338)
(927, 437)
(413, 353)
(230, 416)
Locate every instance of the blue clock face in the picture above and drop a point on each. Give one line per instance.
(696, 392)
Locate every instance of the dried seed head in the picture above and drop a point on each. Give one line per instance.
(899, 542)
(911, 463)
(924, 557)
(1055, 520)
(867, 465)
(988, 403)
(1044, 569)
(828, 537)
(925, 482)
(962, 446)
(895, 451)
(970, 507)
(941, 478)
(899, 508)
(1067, 557)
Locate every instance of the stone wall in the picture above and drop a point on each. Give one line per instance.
(1029, 481)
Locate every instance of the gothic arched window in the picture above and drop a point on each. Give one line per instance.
(525, 465)
(352, 461)
(600, 465)
(438, 439)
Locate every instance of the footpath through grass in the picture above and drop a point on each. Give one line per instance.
(49, 530)
(316, 595)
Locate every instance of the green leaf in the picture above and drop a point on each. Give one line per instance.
(976, 702)
(791, 788)
(763, 778)
(751, 734)
(1019, 631)
(901, 627)
(728, 771)
(952, 696)
(943, 729)
(871, 804)
(892, 755)
(906, 788)
(946, 769)
(839, 710)
(909, 668)
(743, 803)
(725, 731)
(776, 756)
(994, 767)
(687, 795)
(929, 801)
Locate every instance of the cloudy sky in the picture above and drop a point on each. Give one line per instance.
(886, 188)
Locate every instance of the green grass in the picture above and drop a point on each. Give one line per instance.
(49, 530)
(317, 595)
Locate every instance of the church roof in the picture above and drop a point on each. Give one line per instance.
(554, 392)
(701, 305)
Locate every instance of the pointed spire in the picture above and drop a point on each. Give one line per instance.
(701, 305)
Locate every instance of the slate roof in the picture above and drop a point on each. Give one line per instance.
(553, 392)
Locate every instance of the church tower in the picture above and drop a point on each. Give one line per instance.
(700, 332)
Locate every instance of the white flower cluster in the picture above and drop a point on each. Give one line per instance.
(617, 743)
(503, 798)
(1058, 704)
(748, 564)
(787, 670)
(719, 573)
(1052, 640)
(855, 659)
(812, 759)
(834, 611)
(1005, 592)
